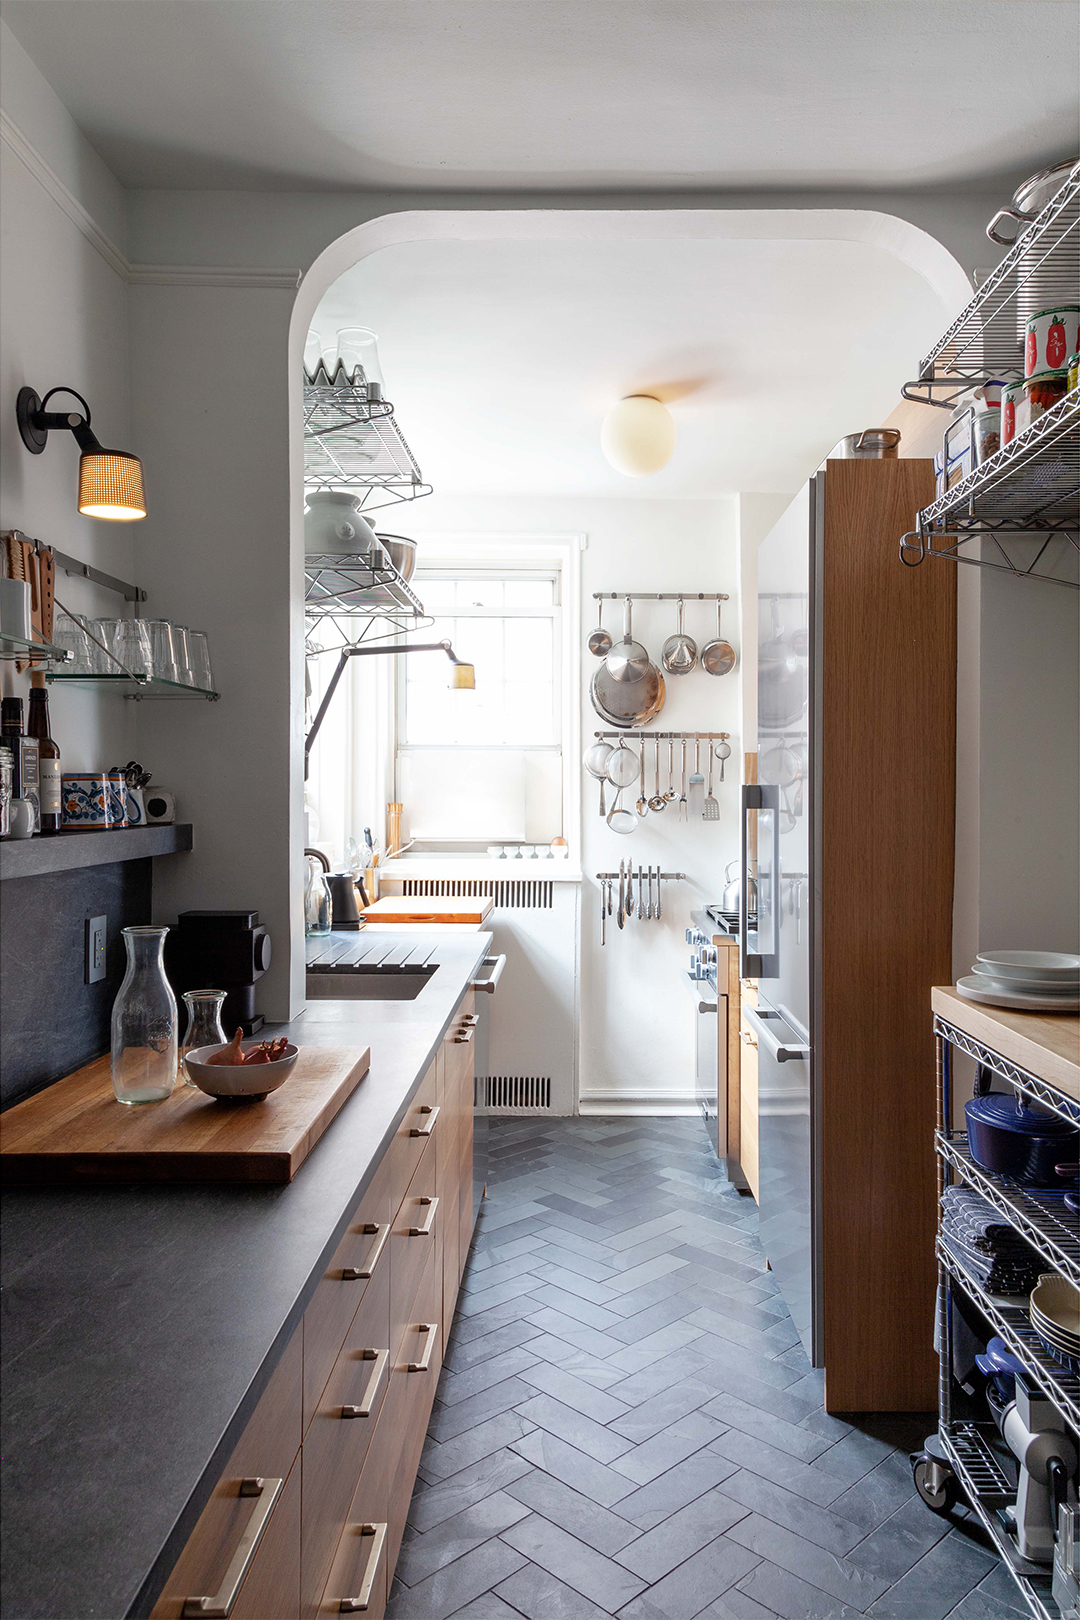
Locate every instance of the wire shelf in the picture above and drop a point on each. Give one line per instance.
(1040, 1217)
(967, 1448)
(350, 586)
(986, 341)
(351, 442)
(1027, 1084)
(1009, 1316)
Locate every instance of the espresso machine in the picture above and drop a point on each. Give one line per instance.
(220, 950)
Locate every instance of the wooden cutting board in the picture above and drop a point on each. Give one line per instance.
(396, 908)
(76, 1131)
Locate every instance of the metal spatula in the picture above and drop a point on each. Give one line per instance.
(697, 781)
(711, 809)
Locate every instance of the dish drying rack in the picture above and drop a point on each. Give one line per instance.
(1030, 488)
(971, 1449)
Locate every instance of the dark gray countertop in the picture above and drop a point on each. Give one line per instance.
(140, 1324)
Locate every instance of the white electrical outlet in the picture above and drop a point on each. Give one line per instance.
(96, 932)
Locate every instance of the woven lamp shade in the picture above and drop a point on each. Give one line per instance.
(111, 486)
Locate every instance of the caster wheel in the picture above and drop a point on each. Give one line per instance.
(935, 1482)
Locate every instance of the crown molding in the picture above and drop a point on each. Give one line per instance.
(64, 198)
(136, 275)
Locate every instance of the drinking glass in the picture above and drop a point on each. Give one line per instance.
(203, 1026)
(162, 649)
(199, 653)
(69, 632)
(105, 632)
(183, 655)
(144, 1022)
(131, 644)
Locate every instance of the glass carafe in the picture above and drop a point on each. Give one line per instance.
(144, 1046)
(203, 1025)
(317, 912)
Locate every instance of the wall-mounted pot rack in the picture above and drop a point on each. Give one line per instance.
(986, 341)
(666, 736)
(660, 596)
(665, 877)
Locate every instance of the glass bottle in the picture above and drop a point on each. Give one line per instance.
(203, 1025)
(144, 1047)
(37, 725)
(317, 912)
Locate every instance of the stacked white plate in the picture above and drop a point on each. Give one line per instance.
(1054, 1308)
(1029, 981)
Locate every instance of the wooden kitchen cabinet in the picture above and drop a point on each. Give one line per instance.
(308, 1516)
(748, 1104)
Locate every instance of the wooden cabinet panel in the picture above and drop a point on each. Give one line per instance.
(415, 1237)
(271, 1590)
(338, 1441)
(266, 1450)
(336, 1299)
(413, 1380)
(748, 1105)
(417, 1129)
(361, 1568)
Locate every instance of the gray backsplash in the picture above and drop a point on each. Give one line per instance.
(53, 1021)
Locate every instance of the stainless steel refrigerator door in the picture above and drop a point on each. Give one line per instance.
(785, 1199)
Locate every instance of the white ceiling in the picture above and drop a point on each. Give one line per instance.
(502, 357)
(526, 94)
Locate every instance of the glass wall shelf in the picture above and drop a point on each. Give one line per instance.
(18, 647)
(129, 686)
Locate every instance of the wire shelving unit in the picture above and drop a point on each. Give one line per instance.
(351, 441)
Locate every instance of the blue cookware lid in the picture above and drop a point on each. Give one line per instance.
(1002, 1109)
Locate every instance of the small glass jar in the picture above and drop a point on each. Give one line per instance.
(318, 906)
(203, 1025)
(7, 777)
(144, 1046)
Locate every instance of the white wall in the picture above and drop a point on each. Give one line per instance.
(636, 1026)
(63, 319)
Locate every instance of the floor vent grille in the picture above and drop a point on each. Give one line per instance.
(518, 1093)
(511, 894)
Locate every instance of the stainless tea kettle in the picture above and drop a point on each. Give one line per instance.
(732, 890)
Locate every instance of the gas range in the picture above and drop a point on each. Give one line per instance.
(708, 923)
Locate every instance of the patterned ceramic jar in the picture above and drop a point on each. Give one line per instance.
(85, 802)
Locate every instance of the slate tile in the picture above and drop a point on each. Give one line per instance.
(653, 1457)
(595, 1370)
(475, 1327)
(853, 1456)
(892, 1549)
(732, 1360)
(736, 1414)
(574, 1283)
(582, 1310)
(570, 1560)
(823, 1526)
(626, 1281)
(501, 1294)
(646, 1229)
(875, 1497)
(787, 1595)
(432, 1504)
(631, 1358)
(633, 1328)
(575, 1392)
(546, 1319)
(450, 1589)
(573, 1467)
(733, 1605)
(435, 1548)
(474, 1409)
(474, 1282)
(659, 1375)
(838, 1576)
(540, 1596)
(624, 1259)
(937, 1582)
(697, 1582)
(650, 1293)
(464, 1354)
(578, 1430)
(458, 1386)
(659, 1551)
(584, 1265)
(651, 1504)
(583, 1205)
(487, 1607)
(732, 1375)
(659, 1411)
(496, 1220)
(604, 1531)
(588, 1248)
(440, 1461)
(779, 1466)
(997, 1597)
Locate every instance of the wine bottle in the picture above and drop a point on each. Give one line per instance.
(37, 725)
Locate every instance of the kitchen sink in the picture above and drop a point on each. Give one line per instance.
(362, 983)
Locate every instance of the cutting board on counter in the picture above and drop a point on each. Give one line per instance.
(75, 1131)
(394, 908)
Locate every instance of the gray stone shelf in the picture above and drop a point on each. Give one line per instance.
(67, 852)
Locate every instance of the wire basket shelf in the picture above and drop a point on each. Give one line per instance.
(352, 586)
(353, 442)
(986, 341)
(1039, 1216)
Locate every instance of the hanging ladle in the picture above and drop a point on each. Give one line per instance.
(643, 803)
(658, 801)
(718, 658)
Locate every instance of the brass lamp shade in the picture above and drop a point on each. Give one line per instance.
(462, 677)
(111, 486)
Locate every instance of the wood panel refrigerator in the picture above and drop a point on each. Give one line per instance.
(851, 822)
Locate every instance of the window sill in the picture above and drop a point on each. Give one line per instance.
(482, 866)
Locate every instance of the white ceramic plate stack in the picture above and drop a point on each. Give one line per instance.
(1054, 1308)
(1028, 981)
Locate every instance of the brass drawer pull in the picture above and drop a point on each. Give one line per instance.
(748, 1039)
(430, 1331)
(426, 1130)
(361, 1273)
(431, 1205)
(380, 1358)
(357, 1604)
(463, 1035)
(220, 1606)
(471, 1018)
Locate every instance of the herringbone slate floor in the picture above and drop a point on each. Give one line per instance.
(626, 1424)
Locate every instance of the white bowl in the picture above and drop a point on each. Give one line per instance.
(1032, 966)
(244, 1082)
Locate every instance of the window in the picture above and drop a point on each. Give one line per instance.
(485, 766)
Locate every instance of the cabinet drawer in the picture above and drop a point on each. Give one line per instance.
(339, 1438)
(414, 1238)
(414, 1378)
(359, 1573)
(240, 1516)
(748, 1105)
(416, 1130)
(334, 1304)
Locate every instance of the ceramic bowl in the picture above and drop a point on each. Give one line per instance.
(240, 1082)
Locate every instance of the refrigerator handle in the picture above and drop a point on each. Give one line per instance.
(749, 965)
(781, 1053)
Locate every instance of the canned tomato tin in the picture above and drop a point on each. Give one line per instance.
(1052, 336)
(1011, 397)
(1041, 393)
(1073, 367)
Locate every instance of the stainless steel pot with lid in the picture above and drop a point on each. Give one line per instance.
(875, 444)
(1029, 200)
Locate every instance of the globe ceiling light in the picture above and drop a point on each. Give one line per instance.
(638, 436)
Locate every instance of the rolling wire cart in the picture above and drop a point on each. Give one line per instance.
(968, 1456)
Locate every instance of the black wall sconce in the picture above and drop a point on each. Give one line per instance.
(110, 481)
